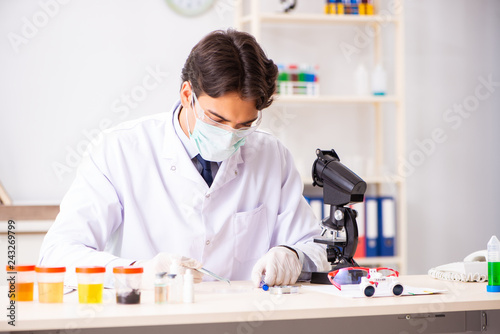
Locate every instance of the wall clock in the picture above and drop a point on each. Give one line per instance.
(190, 7)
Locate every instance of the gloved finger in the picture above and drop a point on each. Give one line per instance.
(295, 270)
(291, 263)
(287, 276)
(272, 272)
(257, 271)
(197, 276)
(160, 263)
(190, 263)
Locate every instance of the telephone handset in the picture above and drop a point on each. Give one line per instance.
(479, 256)
(474, 268)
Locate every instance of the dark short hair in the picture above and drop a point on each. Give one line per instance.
(231, 61)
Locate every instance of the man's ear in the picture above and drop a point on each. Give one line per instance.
(186, 94)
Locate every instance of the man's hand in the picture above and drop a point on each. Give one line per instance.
(280, 265)
(161, 263)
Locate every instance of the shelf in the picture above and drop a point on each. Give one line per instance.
(250, 18)
(28, 212)
(319, 18)
(325, 99)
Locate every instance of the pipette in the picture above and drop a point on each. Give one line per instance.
(217, 277)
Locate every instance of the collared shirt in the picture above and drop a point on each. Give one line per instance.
(190, 148)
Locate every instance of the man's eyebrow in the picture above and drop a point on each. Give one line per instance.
(217, 115)
(226, 120)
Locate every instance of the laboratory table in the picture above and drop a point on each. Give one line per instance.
(240, 308)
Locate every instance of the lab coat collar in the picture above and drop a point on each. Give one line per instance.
(188, 144)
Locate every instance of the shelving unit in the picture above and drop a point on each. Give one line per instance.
(325, 99)
(254, 22)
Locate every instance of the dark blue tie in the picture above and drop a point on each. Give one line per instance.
(206, 172)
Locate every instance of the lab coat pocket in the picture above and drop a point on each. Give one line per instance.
(251, 234)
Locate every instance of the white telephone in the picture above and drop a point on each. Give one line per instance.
(474, 268)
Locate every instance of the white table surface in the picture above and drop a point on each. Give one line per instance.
(217, 302)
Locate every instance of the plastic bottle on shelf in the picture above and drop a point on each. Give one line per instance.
(351, 7)
(303, 75)
(283, 78)
(379, 80)
(293, 72)
(493, 265)
(366, 7)
(340, 7)
(362, 82)
(330, 7)
(369, 7)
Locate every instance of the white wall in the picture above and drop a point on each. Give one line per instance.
(73, 74)
(453, 193)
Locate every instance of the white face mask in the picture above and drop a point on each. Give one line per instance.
(213, 143)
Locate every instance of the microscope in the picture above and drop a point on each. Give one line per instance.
(341, 187)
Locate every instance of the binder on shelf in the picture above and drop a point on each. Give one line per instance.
(371, 216)
(360, 219)
(386, 225)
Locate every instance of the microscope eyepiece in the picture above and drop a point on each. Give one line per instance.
(343, 185)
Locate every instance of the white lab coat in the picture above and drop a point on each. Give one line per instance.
(137, 193)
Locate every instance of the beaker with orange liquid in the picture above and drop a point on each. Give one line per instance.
(21, 280)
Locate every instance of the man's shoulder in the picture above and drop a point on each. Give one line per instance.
(266, 144)
(147, 122)
(134, 135)
(264, 139)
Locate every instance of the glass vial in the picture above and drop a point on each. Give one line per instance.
(160, 288)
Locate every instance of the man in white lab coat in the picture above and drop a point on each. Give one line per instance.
(199, 184)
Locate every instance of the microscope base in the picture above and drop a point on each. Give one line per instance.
(322, 277)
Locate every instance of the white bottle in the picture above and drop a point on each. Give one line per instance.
(362, 82)
(188, 296)
(493, 259)
(379, 81)
(176, 283)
